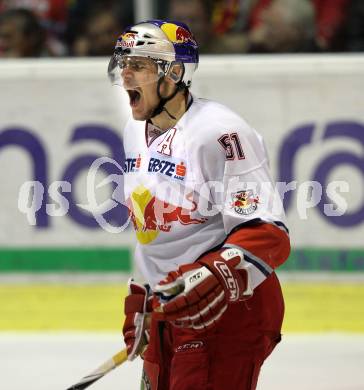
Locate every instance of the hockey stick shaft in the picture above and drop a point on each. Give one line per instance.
(109, 365)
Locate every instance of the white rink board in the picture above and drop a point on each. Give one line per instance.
(276, 95)
(51, 99)
(300, 362)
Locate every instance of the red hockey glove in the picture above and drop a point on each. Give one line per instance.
(138, 306)
(196, 295)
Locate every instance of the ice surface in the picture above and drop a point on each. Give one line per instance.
(56, 361)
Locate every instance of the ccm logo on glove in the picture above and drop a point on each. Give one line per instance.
(195, 277)
(197, 295)
(229, 280)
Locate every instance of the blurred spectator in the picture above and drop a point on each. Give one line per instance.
(285, 26)
(197, 15)
(95, 25)
(52, 15)
(236, 16)
(90, 27)
(99, 36)
(232, 19)
(21, 35)
(355, 27)
(331, 16)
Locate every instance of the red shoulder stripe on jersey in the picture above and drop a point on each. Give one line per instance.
(265, 241)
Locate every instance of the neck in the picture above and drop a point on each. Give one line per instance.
(175, 107)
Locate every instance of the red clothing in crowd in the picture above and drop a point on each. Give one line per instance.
(49, 11)
(330, 19)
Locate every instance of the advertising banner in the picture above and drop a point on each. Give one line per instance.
(58, 116)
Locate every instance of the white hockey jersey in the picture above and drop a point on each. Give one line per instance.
(187, 188)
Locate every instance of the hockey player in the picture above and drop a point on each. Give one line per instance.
(209, 224)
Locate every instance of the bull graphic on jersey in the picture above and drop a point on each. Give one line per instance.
(151, 215)
(244, 202)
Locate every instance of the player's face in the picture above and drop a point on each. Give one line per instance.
(140, 78)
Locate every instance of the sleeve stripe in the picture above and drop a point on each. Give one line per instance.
(281, 226)
(257, 265)
(255, 221)
(263, 267)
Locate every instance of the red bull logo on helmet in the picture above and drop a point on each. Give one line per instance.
(128, 36)
(150, 215)
(177, 34)
(126, 40)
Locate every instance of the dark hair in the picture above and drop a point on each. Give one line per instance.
(30, 28)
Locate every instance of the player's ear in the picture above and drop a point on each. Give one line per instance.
(175, 72)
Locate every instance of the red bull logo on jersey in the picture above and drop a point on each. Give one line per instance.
(150, 215)
(244, 202)
(177, 34)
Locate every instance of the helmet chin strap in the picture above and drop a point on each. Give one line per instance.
(164, 100)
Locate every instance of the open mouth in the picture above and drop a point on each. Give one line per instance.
(134, 96)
